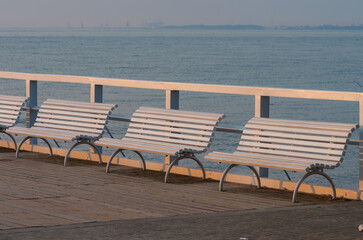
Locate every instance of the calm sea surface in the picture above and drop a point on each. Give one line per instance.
(319, 60)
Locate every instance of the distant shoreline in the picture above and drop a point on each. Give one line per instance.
(198, 27)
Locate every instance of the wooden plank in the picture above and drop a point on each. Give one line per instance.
(168, 135)
(13, 98)
(295, 136)
(75, 109)
(79, 105)
(6, 107)
(11, 112)
(139, 142)
(293, 142)
(70, 123)
(171, 129)
(8, 116)
(178, 113)
(107, 105)
(291, 148)
(347, 125)
(10, 121)
(78, 114)
(172, 124)
(178, 119)
(262, 121)
(66, 127)
(216, 115)
(11, 103)
(258, 163)
(191, 143)
(296, 130)
(78, 119)
(287, 153)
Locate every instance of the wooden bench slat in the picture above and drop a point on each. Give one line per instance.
(62, 131)
(163, 144)
(295, 136)
(65, 127)
(77, 119)
(170, 129)
(81, 105)
(293, 142)
(9, 112)
(258, 160)
(135, 147)
(71, 123)
(7, 107)
(179, 119)
(8, 116)
(348, 125)
(78, 114)
(177, 113)
(302, 125)
(166, 134)
(40, 134)
(295, 130)
(287, 153)
(75, 109)
(172, 124)
(107, 105)
(191, 143)
(11, 103)
(6, 120)
(250, 162)
(214, 115)
(13, 97)
(285, 158)
(291, 148)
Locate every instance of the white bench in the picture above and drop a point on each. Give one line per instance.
(67, 121)
(168, 132)
(10, 107)
(303, 146)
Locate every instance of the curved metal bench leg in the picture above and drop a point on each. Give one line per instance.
(12, 138)
(142, 160)
(80, 143)
(28, 137)
(224, 176)
(110, 159)
(20, 144)
(180, 158)
(306, 176)
(143, 167)
(50, 147)
(257, 176)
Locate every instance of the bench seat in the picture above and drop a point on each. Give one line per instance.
(289, 145)
(167, 132)
(10, 108)
(68, 121)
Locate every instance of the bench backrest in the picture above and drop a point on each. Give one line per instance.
(186, 128)
(10, 107)
(301, 139)
(83, 117)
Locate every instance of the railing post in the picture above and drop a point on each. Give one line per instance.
(31, 114)
(96, 96)
(171, 102)
(262, 109)
(361, 148)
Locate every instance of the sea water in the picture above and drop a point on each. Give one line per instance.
(316, 60)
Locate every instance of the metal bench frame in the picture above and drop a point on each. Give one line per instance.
(68, 121)
(168, 132)
(304, 146)
(10, 109)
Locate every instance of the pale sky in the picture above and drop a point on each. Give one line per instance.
(114, 13)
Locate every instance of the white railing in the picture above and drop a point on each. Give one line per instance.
(262, 98)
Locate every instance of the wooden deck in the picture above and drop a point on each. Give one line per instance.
(39, 191)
